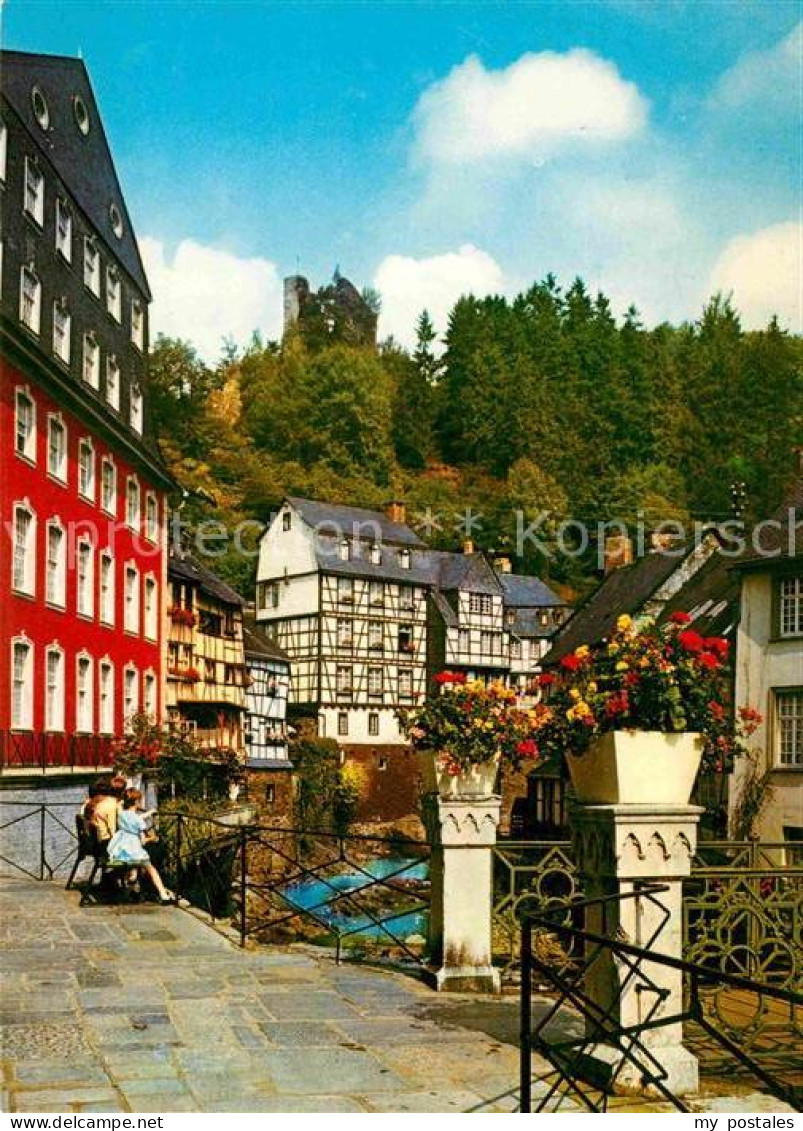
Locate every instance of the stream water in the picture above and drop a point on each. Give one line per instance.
(313, 892)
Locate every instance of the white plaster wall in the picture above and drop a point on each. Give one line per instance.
(762, 665)
(286, 552)
(389, 732)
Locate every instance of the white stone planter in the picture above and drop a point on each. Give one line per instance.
(474, 784)
(637, 767)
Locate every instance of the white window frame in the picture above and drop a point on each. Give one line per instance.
(130, 701)
(405, 683)
(376, 682)
(113, 381)
(55, 693)
(107, 588)
(373, 724)
(136, 409)
(108, 500)
(90, 362)
(138, 324)
(376, 593)
(33, 196)
(21, 708)
(342, 724)
(106, 696)
(63, 229)
(85, 578)
(151, 517)
(28, 449)
(56, 567)
(86, 489)
(344, 677)
(30, 300)
(790, 607)
(131, 599)
(114, 293)
(84, 703)
(24, 582)
(150, 697)
(55, 422)
(62, 332)
(150, 607)
(345, 632)
(134, 523)
(788, 727)
(345, 590)
(91, 266)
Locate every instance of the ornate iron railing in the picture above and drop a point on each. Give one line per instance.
(37, 840)
(275, 884)
(569, 1030)
(28, 750)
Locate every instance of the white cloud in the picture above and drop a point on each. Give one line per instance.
(538, 104)
(771, 77)
(764, 270)
(205, 295)
(409, 285)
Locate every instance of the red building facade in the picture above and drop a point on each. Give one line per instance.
(82, 487)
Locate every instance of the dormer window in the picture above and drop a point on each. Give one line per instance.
(30, 299)
(91, 371)
(376, 554)
(40, 108)
(63, 230)
(345, 550)
(287, 521)
(113, 381)
(404, 559)
(34, 192)
(62, 323)
(81, 114)
(135, 408)
(91, 267)
(116, 220)
(137, 324)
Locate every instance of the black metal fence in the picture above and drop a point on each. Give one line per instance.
(38, 840)
(568, 1032)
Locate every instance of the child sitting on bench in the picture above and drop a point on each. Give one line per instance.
(126, 847)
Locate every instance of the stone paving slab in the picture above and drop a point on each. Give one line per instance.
(147, 1009)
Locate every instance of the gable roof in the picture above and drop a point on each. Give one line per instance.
(623, 590)
(711, 597)
(256, 643)
(525, 592)
(354, 522)
(83, 162)
(183, 567)
(467, 571)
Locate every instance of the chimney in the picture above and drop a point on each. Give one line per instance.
(618, 552)
(397, 512)
(503, 564)
(468, 546)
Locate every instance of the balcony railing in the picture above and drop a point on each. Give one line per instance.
(21, 750)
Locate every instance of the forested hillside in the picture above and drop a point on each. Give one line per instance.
(545, 402)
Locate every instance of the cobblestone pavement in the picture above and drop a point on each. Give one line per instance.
(146, 1009)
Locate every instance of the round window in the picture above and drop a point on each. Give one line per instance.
(81, 114)
(117, 220)
(40, 108)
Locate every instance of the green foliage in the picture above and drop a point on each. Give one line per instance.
(326, 793)
(176, 762)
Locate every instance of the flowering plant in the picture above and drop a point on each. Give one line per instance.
(171, 757)
(664, 678)
(181, 616)
(470, 722)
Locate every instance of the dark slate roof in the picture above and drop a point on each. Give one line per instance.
(623, 590)
(186, 568)
(783, 538)
(256, 643)
(423, 562)
(711, 597)
(84, 163)
(527, 622)
(445, 609)
(354, 522)
(467, 571)
(523, 592)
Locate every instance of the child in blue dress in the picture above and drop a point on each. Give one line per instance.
(126, 847)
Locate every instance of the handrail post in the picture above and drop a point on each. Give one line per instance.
(525, 1041)
(243, 883)
(41, 842)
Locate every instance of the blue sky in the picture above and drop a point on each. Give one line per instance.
(431, 148)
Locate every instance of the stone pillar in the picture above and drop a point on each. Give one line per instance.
(462, 834)
(618, 848)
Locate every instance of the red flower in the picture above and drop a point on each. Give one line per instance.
(571, 663)
(679, 618)
(450, 677)
(528, 748)
(690, 640)
(718, 645)
(708, 660)
(717, 710)
(632, 679)
(546, 679)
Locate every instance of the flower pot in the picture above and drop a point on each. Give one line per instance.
(475, 783)
(637, 767)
